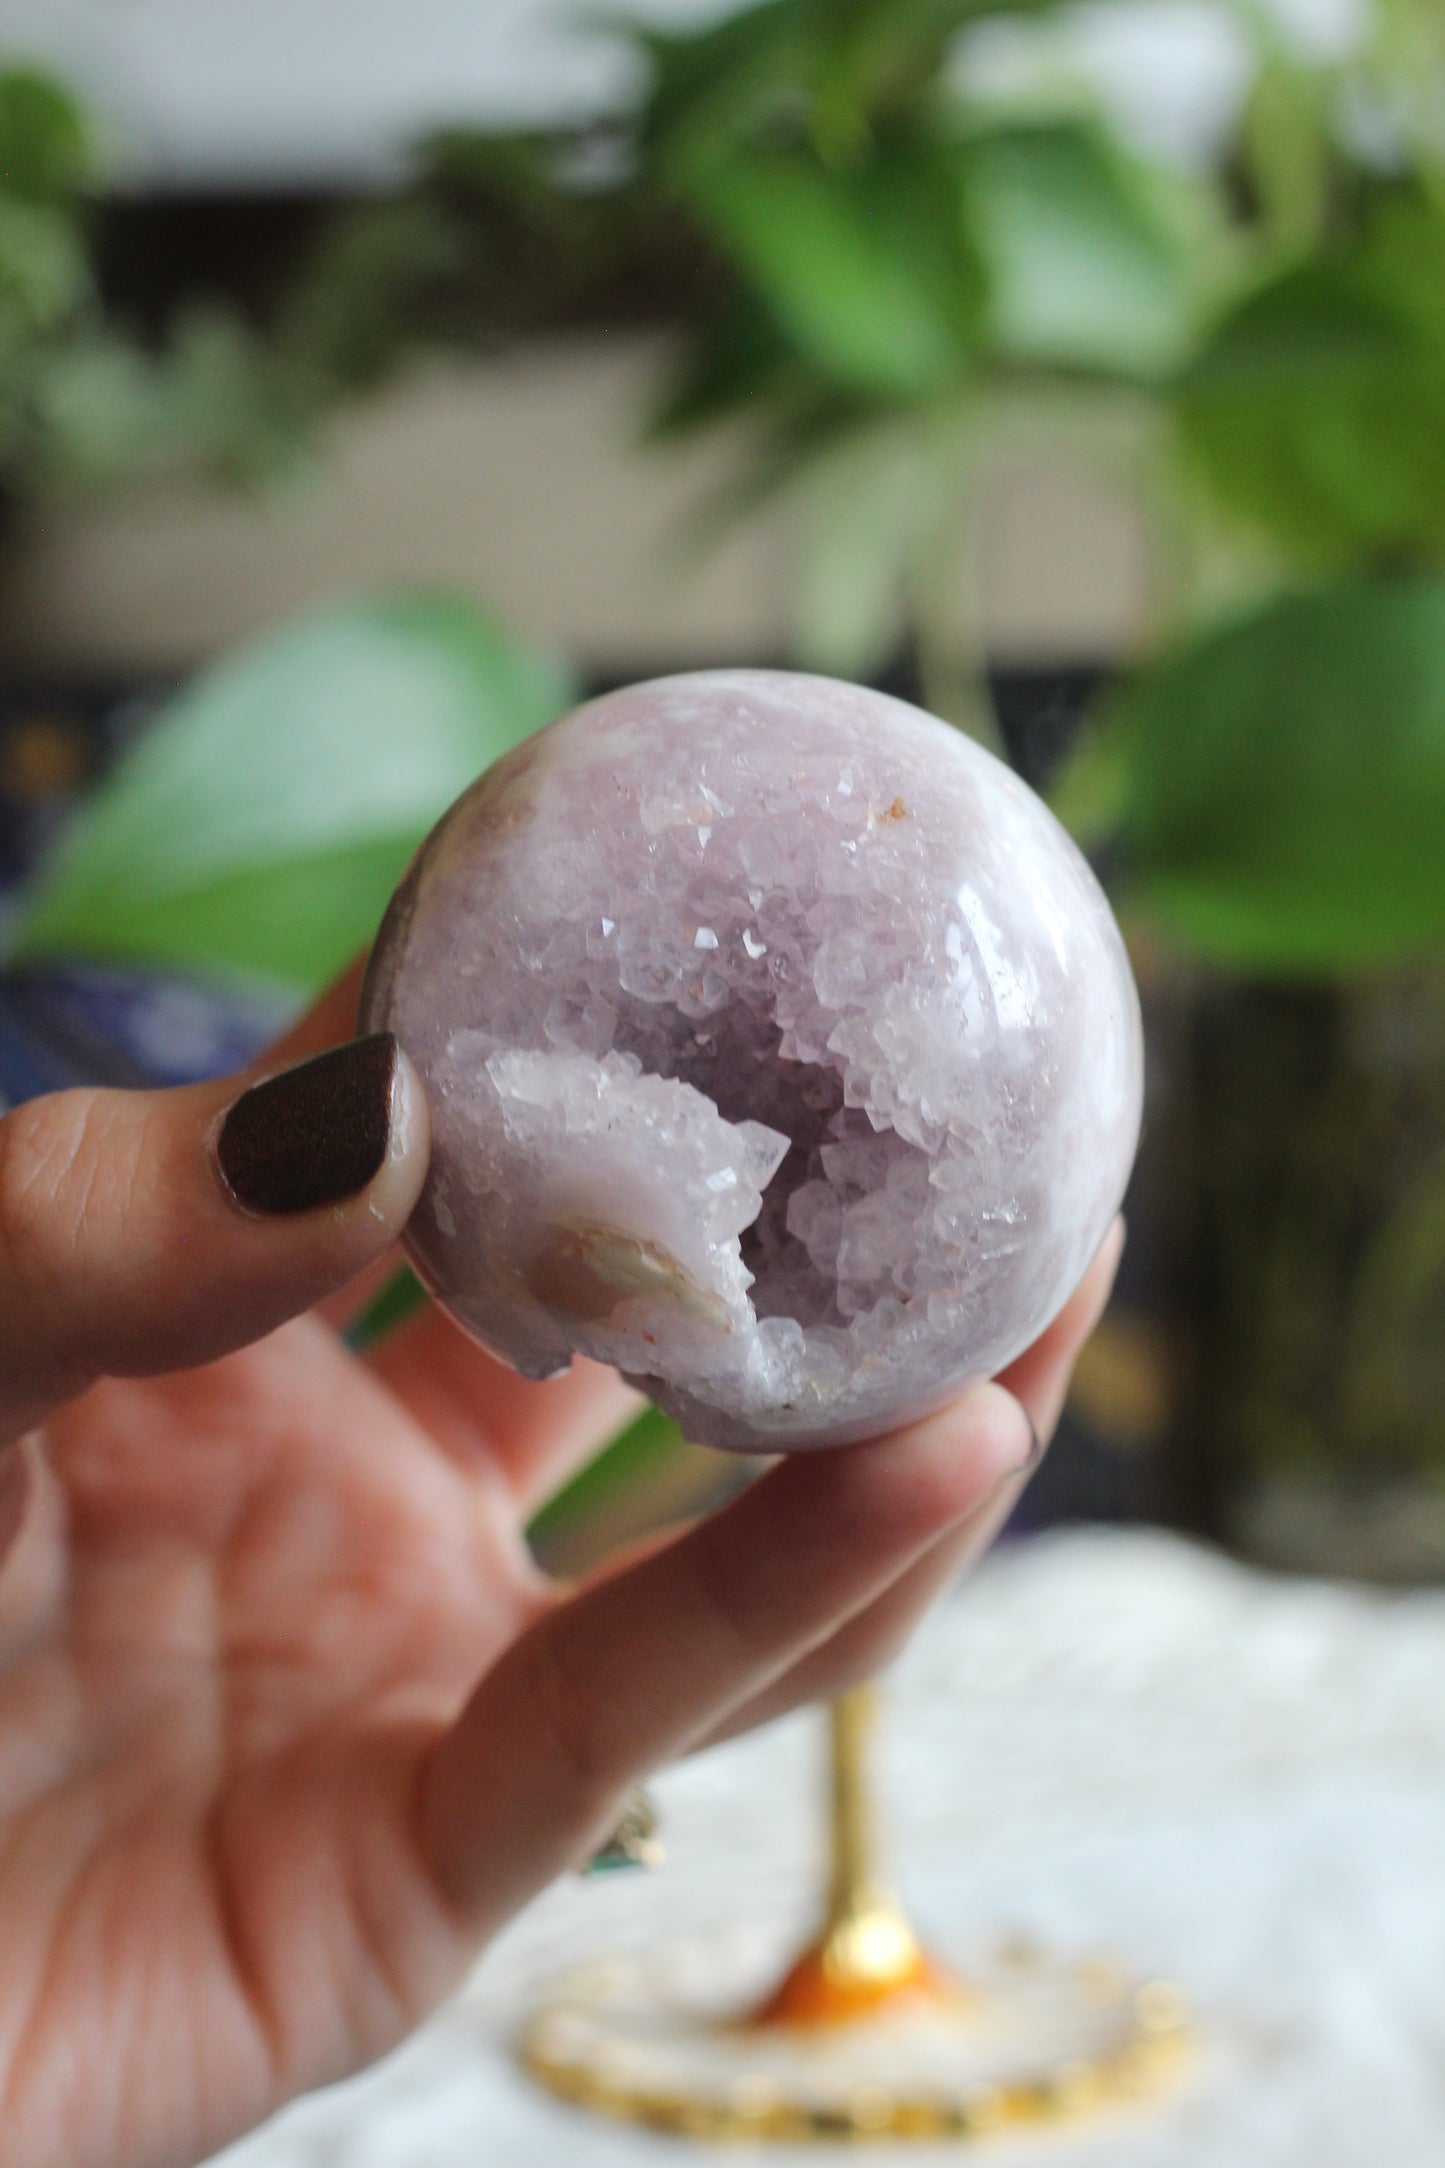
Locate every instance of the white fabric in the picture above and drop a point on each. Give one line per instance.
(1115, 1744)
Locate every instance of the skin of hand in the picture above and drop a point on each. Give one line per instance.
(290, 1724)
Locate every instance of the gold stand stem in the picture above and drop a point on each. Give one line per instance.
(858, 1897)
(867, 1953)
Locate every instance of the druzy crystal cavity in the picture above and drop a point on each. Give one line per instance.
(782, 1051)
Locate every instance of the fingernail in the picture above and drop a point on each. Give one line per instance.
(1011, 1479)
(315, 1135)
(1036, 1447)
(14, 1496)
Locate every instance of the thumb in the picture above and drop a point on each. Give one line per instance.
(150, 1231)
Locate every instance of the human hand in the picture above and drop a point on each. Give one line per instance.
(289, 1722)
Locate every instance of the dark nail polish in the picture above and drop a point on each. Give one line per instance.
(314, 1135)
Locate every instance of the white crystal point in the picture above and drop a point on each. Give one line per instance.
(782, 1051)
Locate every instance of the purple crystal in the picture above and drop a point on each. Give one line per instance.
(782, 1051)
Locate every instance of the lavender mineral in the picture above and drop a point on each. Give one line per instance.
(782, 1051)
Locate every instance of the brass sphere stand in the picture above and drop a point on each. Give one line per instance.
(866, 2035)
(866, 1957)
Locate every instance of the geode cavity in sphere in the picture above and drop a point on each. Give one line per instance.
(781, 1049)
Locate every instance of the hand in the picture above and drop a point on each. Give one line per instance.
(289, 1722)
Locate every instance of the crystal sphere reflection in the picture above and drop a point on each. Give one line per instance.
(782, 1051)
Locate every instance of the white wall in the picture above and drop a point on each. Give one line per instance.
(241, 92)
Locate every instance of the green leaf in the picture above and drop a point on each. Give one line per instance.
(884, 56)
(1094, 259)
(45, 147)
(96, 414)
(859, 529)
(379, 270)
(1316, 412)
(711, 88)
(296, 924)
(211, 401)
(44, 273)
(869, 272)
(831, 72)
(737, 358)
(401, 1299)
(1287, 148)
(1282, 782)
(885, 501)
(260, 824)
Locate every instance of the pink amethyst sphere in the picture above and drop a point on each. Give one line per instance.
(782, 1051)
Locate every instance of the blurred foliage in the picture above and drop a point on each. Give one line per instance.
(863, 254)
(83, 403)
(1313, 411)
(865, 257)
(1281, 781)
(261, 820)
(893, 251)
(87, 402)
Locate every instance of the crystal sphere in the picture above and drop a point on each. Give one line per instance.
(782, 1051)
